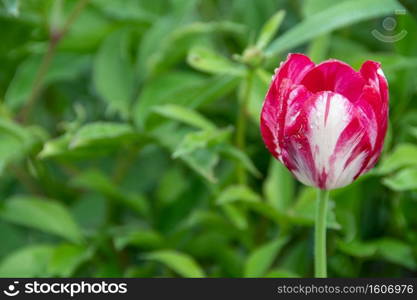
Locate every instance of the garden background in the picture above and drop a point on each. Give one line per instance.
(130, 143)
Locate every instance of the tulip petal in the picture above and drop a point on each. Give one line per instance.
(275, 105)
(334, 76)
(326, 123)
(274, 116)
(294, 69)
(375, 96)
(323, 140)
(374, 76)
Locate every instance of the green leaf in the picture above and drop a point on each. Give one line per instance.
(186, 89)
(298, 257)
(13, 238)
(268, 211)
(312, 7)
(180, 263)
(96, 181)
(153, 45)
(358, 248)
(79, 40)
(15, 142)
(201, 139)
(404, 155)
(237, 193)
(168, 41)
(262, 258)
(397, 252)
(236, 216)
(139, 238)
(201, 160)
(67, 258)
(279, 186)
(102, 133)
(64, 67)
(46, 215)
(240, 157)
(31, 261)
(331, 18)
(269, 29)
(207, 60)
(404, 180)
(113, 74)
(92, 139)
(185, 115)
(128, 10)
(14, 129)
(282, 273)
(199, 28)
(177, 85)
(56, 147)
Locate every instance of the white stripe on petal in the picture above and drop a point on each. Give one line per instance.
(347, 174)
(380, 72)
(329, 117)
(303, 172)
(327, 126)
(301, 175)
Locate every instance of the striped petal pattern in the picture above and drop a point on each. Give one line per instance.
(326, 123)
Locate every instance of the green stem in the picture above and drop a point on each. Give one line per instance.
(56, 36)
(123, 164)
(241, 124)
(320, 263)
(39, 80)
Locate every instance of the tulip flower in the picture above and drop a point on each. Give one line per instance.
(326, 123)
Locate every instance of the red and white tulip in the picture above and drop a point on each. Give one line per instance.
(326, 123)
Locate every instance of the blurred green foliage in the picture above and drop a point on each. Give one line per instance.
(130, 145)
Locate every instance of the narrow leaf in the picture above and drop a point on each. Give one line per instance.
(31, 261)
(101, 133)
(262, 258)
(207, 60)
(269, 29)
(113, 75)
(185, 115)
(403, 155)
(334, 17)
(46, 215)
(181, 263)
(67, 258)
(279, 186)
(404, 180)
(237, 193)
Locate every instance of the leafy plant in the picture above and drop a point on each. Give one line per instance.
(130, 145)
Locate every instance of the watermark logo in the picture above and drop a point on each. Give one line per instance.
(12, 289)
(389, 25)
(65, 288)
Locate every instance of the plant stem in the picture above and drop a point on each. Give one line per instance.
(320, 264)
(55, 37)
(241, 124)
(39, 79)
(123, 164)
